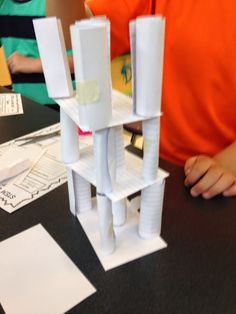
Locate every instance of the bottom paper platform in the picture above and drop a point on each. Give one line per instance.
(129, 246)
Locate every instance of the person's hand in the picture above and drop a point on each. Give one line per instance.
(208, 177)
(18, 63)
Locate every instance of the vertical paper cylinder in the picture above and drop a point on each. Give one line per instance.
(149, 64)
(112, 154)
(92, 68)
(106, 224)
(103, 179)
(132, 35)
(151, 131)
(119, 140)
(151, 210)
(69, 138)
(82, 191)
(71, 191)
(119, 212)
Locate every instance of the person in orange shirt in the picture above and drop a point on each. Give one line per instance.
(198, 129)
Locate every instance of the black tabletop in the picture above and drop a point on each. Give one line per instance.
(196, 273)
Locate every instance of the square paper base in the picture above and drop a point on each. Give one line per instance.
(129, 246)
(37, 277)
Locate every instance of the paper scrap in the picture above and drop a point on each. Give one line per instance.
(10, 104)
(47, 174)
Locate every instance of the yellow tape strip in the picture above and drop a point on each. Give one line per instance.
(87, 92)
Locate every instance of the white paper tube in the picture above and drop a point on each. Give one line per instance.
(132, 35)
(103, 179)
(106, 224)
(112, 154)
(119, 212)
(92, 71)
(151, 210)
(151, 131)
(120, 153)
(69, 138)
(52, 52)
(82, 190)
(71, 191)
(149, 64)
(98, 20)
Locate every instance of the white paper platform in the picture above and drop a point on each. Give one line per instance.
(129, 246)
(37, 277)
(129, 180)
(122, 109)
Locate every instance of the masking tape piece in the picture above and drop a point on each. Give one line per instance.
(87, 92)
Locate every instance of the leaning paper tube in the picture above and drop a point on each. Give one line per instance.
(151, 210)
(69, 138)
(151, 130)
(149, 64)
(106, 224)
(52, 51)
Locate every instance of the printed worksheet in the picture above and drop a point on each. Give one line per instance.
(45, 175)
(10, 104)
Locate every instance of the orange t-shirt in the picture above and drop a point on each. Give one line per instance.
(199, 81)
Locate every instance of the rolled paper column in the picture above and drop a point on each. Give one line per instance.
(106, 224)
(103, 178)
(92, 69)
(151, 210)
(149, 64)
(82, 191)
(119, 141)
(69, 139)
(132, 35)
(151, 131)
(119, 212)
(112, 154)
(71, 191)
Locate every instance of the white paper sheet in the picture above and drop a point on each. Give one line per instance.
(10, 104)
(52, 51)
(48, 174)
(122, 110)
(129, 246)
(37, 277)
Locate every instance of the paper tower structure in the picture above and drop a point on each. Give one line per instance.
(95, 107)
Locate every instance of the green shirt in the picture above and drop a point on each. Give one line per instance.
(17, 34)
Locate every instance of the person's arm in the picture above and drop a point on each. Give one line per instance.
(18, 63)
(210, 176)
